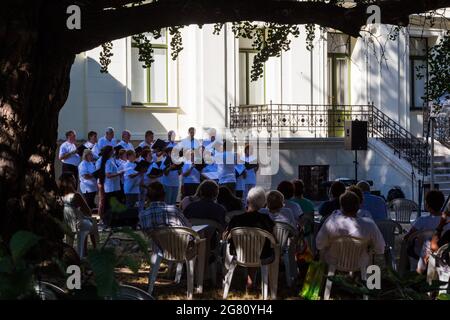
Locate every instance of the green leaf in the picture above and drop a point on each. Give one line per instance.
(130, 263)
(21, 243)
(103, 263)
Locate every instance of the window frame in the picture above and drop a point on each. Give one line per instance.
(412, 60)
(247, 53)
(165, 47)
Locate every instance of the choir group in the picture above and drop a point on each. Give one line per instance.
(107, 168)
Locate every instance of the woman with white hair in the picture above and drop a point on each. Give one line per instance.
(252, 218)
(88, 183)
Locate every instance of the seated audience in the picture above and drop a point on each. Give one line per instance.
(189, 199)
(287, 189)
(276, 210)
(327, 208)
(434, 200)
(160, 214)
(440, 239)
(372, 203)
(227, 199)
(347, 223)
(77, 213)
(304, 203)
(256, 200)
(207, 207)
(361, 212)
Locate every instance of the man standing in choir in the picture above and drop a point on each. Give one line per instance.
(125, 143)
(148, 140)
(107, 140)
(68, 154)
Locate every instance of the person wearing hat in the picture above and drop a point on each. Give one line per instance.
(125, 143)
(88, 183)
(107, 140)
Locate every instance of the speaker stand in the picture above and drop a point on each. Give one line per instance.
(356, 166)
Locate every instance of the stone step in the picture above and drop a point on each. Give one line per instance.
(441, 164)
(442, 170)
(442, 177)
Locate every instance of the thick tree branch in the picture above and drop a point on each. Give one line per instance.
(100, 27)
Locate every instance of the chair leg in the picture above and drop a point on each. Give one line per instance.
(153, 274)
(329, 283)
(81, 239)
(190, 267)
(364, 279)
(227, 279)
(178, 273)
(265, 281)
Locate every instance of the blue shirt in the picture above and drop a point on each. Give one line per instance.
(375, 205)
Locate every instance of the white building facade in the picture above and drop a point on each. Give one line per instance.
(212, 74)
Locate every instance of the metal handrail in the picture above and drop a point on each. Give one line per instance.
(328, 121)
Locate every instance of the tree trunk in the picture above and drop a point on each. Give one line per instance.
(34, 84)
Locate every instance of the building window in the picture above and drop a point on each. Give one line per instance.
(418, 48)
(338, 50)
(150, 85)
(250, 92)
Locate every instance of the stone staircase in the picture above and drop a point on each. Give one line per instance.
(442, 173)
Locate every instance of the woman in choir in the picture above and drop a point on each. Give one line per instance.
(171, 178)
(88, 182)
(191, 176)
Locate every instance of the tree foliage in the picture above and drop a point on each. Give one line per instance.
(438, 82)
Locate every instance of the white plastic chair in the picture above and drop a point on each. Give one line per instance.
(83, 230)
(438, 269)
(176, 245)
(390, 229)
(218, 228)
(349, 252)
(248, 244)
(286, 236)
(403, 209)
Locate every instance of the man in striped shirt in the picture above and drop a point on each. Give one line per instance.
(160, 214)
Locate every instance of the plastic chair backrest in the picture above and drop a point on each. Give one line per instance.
(209, 222)
(248, 243)
(282, 232)
(126, 292)
(403, 209)
(388, 229)
(419, 237)
(174, 242)
(349, 252)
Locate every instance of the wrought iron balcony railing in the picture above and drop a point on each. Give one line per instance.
(328, 121)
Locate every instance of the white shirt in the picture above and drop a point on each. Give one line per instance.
(251, 173)
(337, 225)
(188, 144)
(193, 177)
(87, 185)
(131, 185)
(144, 144)
(225, 167)
(103, 142)
(284, 215)
(240, 181)
(67, 147)
(172, 179)
(126, 145)
(111, 184)
(89, 145)
(295, 208)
